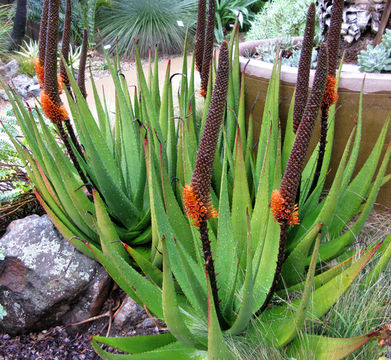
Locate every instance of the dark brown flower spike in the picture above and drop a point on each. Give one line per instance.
(208, 47)
(50, 99)
(285, 213)
(334, 35)
(39, 62)
(81, 79)
(303, 73)
(197, 195)
(200, 34)
(331, 95)
(66, 40)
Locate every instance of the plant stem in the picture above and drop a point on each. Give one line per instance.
(280, 262)
(209, 266)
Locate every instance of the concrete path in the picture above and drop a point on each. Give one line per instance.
(106, 84)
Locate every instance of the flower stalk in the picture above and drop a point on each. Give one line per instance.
(51, 103)
(200, 35)
(208, 47)
(330, 96)
(196, 196)
(283, 206)
(303, 73)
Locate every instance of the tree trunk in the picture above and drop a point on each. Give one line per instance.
(19, 28)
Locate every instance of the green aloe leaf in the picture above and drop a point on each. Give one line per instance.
(136, 344)
(325, 348)
(173, 314)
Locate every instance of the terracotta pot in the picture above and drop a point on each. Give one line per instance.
(376, 105)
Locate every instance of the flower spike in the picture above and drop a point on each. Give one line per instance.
(50, 99)
(66, 40)
(283, 204)
(81, 79)
(208, 47)
(334, 35)
(40, 61)
(200, 34)
(303, 72)
(197, 194)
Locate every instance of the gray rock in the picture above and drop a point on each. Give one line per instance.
(24, 85)
(130, 314)
(42, 276)
(10, 69)
(90, 304)
(3, 95)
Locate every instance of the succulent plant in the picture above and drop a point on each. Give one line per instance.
(377, 59)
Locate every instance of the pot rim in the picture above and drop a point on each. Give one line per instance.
(349, 80)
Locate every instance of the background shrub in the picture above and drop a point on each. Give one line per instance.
(5, 28)
(279, 18)
(150, 22)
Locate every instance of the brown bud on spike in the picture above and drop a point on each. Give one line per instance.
(303, 73)
(81, 79)
(200, 34)
(334, 35)
(66, 40)
(208, 47)
(197, 194)
(284, 207)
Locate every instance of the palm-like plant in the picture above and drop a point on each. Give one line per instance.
(215, 281)
(150, 22)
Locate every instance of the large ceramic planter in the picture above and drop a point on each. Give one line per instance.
(377, 104)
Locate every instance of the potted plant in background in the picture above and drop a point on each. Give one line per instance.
(377, 89)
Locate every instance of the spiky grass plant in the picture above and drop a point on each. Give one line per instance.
(150, 22)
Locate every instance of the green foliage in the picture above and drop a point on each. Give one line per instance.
(5, 28)
(289, 51)
(279, 18)
(150, 22)
(226, 13)
(377, 59)
(11, 185)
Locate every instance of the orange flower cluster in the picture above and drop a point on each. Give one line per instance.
(330, 96)
(56, 113)
(196, 210)
(281, 210)
(40, 71)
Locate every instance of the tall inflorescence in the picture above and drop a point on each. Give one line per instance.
(333, 38)
(330, 95)
(81, 80)
(66, 40)
(197, 194)
(50, 99)
(303, 73)
(283, 200)
(200, 34)
(208, 47)
(39, 62)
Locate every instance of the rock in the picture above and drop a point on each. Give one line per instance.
(3, 95)
(91, 302)
(25, 86)
(10, 69)
(42, 276)
(129, 315)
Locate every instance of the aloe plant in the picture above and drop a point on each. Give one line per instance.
(218, 273)
(110, 155)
